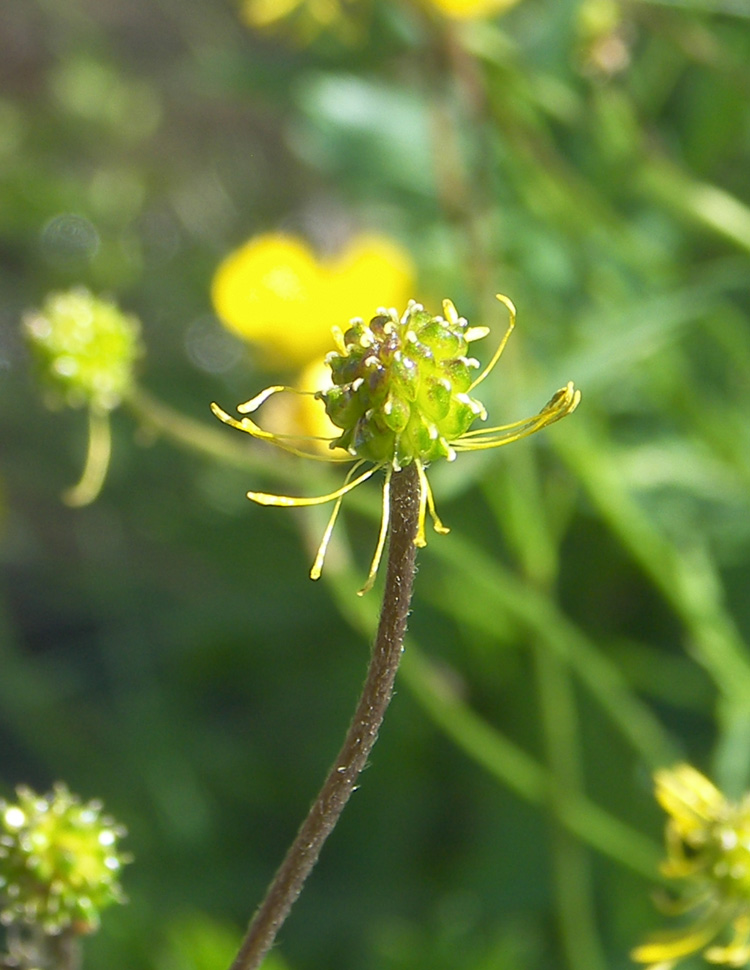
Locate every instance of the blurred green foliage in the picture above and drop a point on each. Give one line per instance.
(588, 617)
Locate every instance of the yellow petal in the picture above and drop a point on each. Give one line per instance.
(372, 271)
(469, 9)
(269, 291)
(688, 796)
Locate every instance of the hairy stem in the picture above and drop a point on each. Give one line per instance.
(30, 948)
(363, 731)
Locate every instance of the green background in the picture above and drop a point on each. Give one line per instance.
(586, 619)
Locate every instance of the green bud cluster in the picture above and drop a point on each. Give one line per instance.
(59, 862)
(85, 347)
(400, 386)
(720, 851)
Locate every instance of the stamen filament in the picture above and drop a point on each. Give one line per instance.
(317, 566)
(421, 541)
(436, 522)
(251, 428)
(385, 519)
(675, 944)
(255, 402)
(564, 402)
(498, 353)
(503, 439)
(289, 501)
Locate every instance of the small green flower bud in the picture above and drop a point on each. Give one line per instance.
(85, 347)
(59, 862)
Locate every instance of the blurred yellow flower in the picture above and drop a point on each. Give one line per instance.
(708, 845)
(470, 9)
(275, 293)
(305, 19)
(301, 414)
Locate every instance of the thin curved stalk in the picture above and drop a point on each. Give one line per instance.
(97, 461)
(363, 731)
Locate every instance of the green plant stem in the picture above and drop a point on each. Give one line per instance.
(32, 949)
(434, 688)
(363, 731)
(97, 461)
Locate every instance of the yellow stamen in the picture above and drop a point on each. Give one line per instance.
(498, 353)
(289, 502)
(317, 566)
(420, 540)
(255, 402)
(280, 440)
(436, 523)
(563, 402)
(385, 518)
(675, 944)
(736, 953)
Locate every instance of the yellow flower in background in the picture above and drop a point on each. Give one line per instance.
(472, 9)
(708, 845)
(268, 288)
(371, 271)
(304, 20)
(300, 414)
(275, 293)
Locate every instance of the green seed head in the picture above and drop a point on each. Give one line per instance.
(59, 862)
(401, 385)
(85, 347)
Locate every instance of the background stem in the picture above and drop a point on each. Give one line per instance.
(362, 733)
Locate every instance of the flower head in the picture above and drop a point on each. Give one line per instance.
(85, 346)
(86, 349)
(401, 392)
(708, 846)
(59, 862)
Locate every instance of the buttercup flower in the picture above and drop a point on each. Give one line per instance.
(708, 846)
(59, 862)
(472, 9)
(305, 19)
(400, 393)
(274, 292)
(85, 348)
